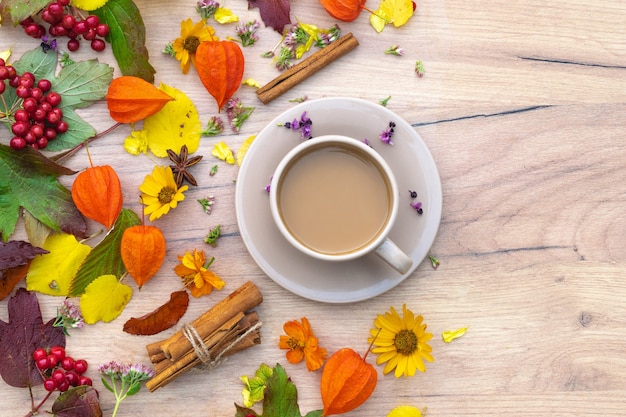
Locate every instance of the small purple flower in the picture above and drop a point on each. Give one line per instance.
(387, 134)
(417, 206)
(207, 8)
(268, 187)
(247, 32)
(68, 316)
(303, 126)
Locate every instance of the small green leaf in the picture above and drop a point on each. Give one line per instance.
(21, 9)
(29, 180)
(106, 384)
(82, 83)
(127, 37)
(134, 388)
(105, 258)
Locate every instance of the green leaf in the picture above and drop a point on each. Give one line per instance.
(127, 37)
(105, 258)
(29, 180)
(79, 84)
(21, 9)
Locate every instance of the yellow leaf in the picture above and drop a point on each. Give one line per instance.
(53, 272)
(223, 15)
(137, 142)
(104, 299)
(6, 54)
(449, 335)
(223, 152)
(175, 125)
(251, 82)
(244, 148)
(397, 12)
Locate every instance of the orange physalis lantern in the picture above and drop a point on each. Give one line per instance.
(220, 67)
(347, 381)
(143, 251)
(131, 99)
(345, 10)
(97, 194)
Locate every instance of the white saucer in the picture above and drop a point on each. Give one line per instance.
(342, 282)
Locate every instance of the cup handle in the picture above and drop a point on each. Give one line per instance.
(392, 254)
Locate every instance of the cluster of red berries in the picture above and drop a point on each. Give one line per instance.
(59, 15)
(39, 119)
(60, 372)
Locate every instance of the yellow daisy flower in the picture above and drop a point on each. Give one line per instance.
(160, 193)
(401, 342)
(405, 411)
(196, 275)
(191, 35)
(89, 4)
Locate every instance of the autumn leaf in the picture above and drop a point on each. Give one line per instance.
(53, 272)
(397, 12)
(280, 399)
(15, 258)
(127, 37)
(104, 299)
(160, 319)
(19, 338)
(274, 13)
(81, 401)
(175, 125)
(222, 151)
(79, 85)
(29, 180)
(105, 258)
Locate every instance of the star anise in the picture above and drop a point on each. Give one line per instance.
(181, 163)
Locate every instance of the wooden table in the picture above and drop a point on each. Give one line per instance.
(522, 105)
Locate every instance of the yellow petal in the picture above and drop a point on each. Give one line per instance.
(104, 299)
(405, 411)
(137, 142)
(89, 4)
(223, 15)
(223, 152)
(243, 149)
(251, 82)
(175, 125)
(6, 54)
(449, 335)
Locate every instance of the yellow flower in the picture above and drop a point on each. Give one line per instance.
(89, 4)
(137, 142)
(191, 35)
(302, 344)
(401, 342)
(160, 193)
(196, 275)
(405, 411)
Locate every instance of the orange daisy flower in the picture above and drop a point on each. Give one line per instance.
(196, 274)
(301, 343)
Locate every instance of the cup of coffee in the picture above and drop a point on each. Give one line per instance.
(336, 199)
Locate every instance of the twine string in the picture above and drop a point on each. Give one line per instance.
(202, 350)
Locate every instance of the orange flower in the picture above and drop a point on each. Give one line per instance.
(302, 344)
(196, 275)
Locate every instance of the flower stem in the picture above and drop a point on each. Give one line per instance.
(67, 154)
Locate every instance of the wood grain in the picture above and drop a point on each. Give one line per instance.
(522, 106)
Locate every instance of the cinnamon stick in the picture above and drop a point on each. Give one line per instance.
(242, 299)
(306, 68)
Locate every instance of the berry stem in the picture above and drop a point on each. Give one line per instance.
(36, 408)
(67, 154)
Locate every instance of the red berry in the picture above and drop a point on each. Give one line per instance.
(73, 45)
(49, 384)
(4, 72)
(22, 115)
(414, 6)
(81, 27)
(36, 93)
(37, 131)
(102, 30)
(41, 142)
(43, 364)
(53, 361)
(84, 380)
(62, 127)
(30, 140)
(68, 21)
(73, 378)
(63, 2)
(55, 8)
(90, 34)
(14, 81)
(44, 85)
(53, 98)
(39, 353)
(47, 107)
(12, 71)
(30, 105)
(58, 351)
(28, 79)
(40, 114)
(2, 62)
(32, 30)
(92, 21)
(67, 363)
(17, 143)
(64, 386)
(27, 21)
(48, 17)
(58, 30)
(58, 376)
(22, 91)
(49, 133)
(20, 128)
(98, 45)
(80, 366)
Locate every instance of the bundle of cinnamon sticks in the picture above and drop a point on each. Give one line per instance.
(227, 328)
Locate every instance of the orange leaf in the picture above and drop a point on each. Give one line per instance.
(131, 99)
(143, 252)
(220, 66)
(345, 10)
(97, 194)
(160, 319)
(347, 381)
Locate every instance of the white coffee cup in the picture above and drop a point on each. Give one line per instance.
(336, 199)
